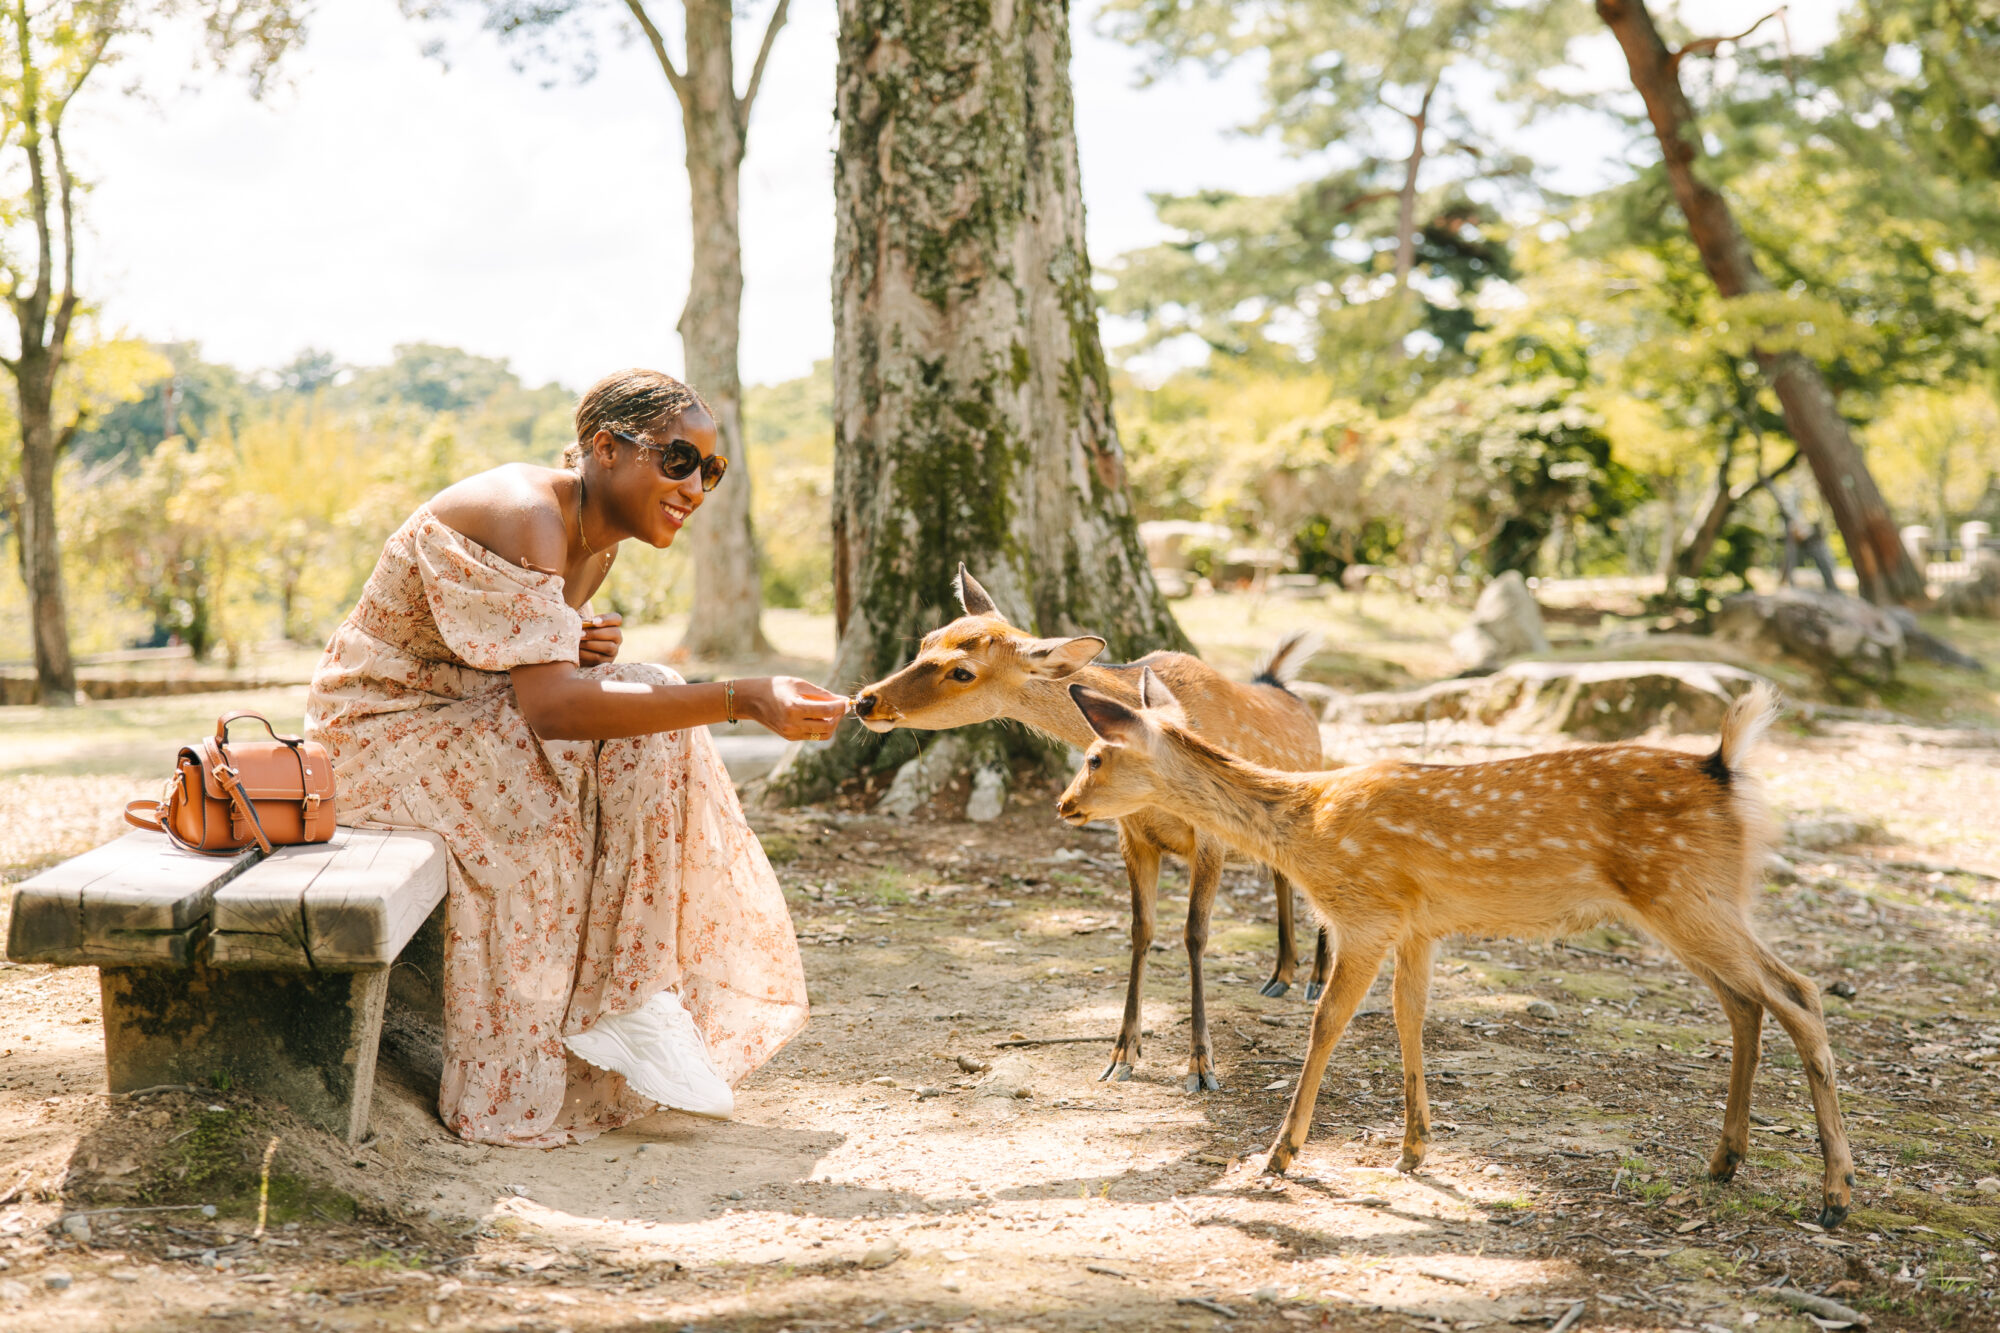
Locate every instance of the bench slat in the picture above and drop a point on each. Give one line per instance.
(351, 903)
(361, 913)
(138, 899)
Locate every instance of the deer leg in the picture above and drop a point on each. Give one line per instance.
(1794, 1002)
(1746, 1032)
(1322, 964)
(1739, 963)
(1142, 869)
(1288, 957)
(1413, 992)
(1204, 874)
(1353, 973)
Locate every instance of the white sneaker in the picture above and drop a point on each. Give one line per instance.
(659, 1050)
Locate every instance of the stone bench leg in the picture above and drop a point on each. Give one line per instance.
(307, 1039)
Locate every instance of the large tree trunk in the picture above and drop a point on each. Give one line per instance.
(972, 403)
(1884, 569)
(41, 554)
(726, 618)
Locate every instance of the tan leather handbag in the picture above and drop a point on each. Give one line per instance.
(225, 795)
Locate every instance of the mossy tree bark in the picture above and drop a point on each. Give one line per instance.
(972, 403)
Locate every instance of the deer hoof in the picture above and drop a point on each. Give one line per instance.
(1313, 988)
(1411, 1161)
(1279, 1160)
(1275, 987)
(1203, 1081)
(1118, 1071)
(1832, 1215)
(1722, 1167)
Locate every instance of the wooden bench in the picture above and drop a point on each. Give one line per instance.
(271, 972)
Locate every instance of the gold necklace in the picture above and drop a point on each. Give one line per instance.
(588, 552)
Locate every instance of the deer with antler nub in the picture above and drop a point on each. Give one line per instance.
(1395, 855)
(979, 667)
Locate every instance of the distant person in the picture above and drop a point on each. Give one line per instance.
(1811, 539)
(615, 937)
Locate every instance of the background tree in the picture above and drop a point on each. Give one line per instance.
(1382, 85)
(48, 52)
(1812, 418)
(972, 403)
(715, 126)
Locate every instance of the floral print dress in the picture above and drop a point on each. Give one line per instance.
(585, 876)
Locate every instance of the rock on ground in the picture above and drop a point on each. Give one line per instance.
(1977, 596)
(1599, 701)
(1830, 632)
(1506, 623)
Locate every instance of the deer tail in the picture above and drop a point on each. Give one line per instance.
(1742, 727)
(1279, 667)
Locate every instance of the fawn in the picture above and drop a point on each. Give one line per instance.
(1396, 855)
(979, 667)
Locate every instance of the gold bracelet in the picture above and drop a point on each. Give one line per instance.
(729, 702)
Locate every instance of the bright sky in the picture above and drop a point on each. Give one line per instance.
(381, 198)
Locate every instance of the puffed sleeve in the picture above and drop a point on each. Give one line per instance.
(491, 614)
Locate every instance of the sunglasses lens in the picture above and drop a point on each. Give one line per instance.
(712, 469)
(679, 460)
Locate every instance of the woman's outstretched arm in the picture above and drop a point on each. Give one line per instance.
(563, 704)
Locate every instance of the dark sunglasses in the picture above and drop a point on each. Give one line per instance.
(679, 460)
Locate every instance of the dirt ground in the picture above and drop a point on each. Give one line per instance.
(903, 1166)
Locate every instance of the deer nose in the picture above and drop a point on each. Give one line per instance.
(864, 704)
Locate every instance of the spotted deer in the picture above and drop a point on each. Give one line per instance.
(979, 667)
(1395, 855)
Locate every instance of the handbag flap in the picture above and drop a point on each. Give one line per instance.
(269, 770)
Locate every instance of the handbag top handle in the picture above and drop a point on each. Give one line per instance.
(240, 715)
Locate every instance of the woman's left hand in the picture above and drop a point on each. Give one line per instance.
(601, 639)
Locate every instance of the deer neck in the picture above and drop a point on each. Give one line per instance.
(1259, 811)
(1046, 706)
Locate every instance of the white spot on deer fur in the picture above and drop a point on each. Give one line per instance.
(1350, 846)
(1555, 842)
(1432, 838)
(1485, 853)
(1394, 827)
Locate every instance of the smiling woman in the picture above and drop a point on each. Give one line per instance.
(615, 936)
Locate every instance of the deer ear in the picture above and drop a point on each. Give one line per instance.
(1111, 720)
(971, 597)
(1154, 696)
(1052, 659)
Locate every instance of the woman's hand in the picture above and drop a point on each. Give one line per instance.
(601, 640)
(796, 709)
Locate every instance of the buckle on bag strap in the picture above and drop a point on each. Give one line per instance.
(225, 774)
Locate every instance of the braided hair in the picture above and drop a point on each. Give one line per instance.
(629, 401)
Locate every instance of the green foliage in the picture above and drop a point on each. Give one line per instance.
(1482, 470)
(790, 428)
(1368, 271)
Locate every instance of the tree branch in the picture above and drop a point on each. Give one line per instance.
(757, 70)
(66, 304)
(71, 431)
(32, 312)
(659, 43)
(1706, 46)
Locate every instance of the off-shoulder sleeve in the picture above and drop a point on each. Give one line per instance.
(493, 615)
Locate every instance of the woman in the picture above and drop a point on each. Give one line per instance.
(615, 937)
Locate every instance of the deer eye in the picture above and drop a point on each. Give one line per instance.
(1097, 761)
(960, 673)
